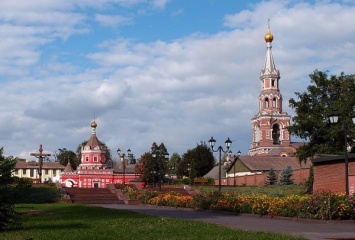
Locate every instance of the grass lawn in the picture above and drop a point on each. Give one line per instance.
(72, 221)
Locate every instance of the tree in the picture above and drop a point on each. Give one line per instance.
(152, 168)
(286, 176)
(325, 95)
(173, 164)
(310, 181)
(271, 177)
(8, 216)
(200, 160)
(62, 155)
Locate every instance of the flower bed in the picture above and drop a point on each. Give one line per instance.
(322, 205)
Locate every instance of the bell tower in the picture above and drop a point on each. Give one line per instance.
(270, 124)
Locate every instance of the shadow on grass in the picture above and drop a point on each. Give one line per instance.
(49, 227)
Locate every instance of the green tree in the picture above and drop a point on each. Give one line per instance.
(286, 176)
(325, 95)
(152, 168)
(62, 155)
(8, 216)
(310, 181)
(271, 177)
(173, 164)
(200, 160)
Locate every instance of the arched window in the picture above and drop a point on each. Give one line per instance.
(266, 103)
(276, 133)
(274, 102)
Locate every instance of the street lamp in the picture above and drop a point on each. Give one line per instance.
(333, 118)
(166, 156)
(122, 155)
(235, 159)
(228, 143)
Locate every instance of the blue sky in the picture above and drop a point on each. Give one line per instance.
(172, 71)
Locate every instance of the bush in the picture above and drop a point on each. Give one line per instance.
(286, 176)
(43, 194)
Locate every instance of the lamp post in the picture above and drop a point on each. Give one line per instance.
(333, 118)
(122, 155)
(228, 143)
(235, 159)
(155, 155)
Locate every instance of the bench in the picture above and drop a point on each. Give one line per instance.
(201, 181)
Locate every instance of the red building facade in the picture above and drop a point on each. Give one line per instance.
(93, 171)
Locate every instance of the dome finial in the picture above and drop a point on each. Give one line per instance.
(268, 37)
(93, 123)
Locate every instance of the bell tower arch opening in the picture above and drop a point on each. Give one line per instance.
(276, 133)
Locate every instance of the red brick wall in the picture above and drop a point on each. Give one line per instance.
(331, 176)
(299, 176)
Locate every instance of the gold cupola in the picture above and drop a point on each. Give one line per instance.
(269, 37)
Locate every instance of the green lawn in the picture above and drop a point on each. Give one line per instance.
(71, 221)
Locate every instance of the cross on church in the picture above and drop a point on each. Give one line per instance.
(40, 155)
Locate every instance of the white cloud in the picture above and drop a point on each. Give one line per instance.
(111, 21)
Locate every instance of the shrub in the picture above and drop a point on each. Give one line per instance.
(286, 176)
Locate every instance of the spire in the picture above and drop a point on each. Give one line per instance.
(269, 67)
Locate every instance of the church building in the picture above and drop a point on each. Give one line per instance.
(93, 171)
(270, 125)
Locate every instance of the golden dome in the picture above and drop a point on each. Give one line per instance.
(93, 124)
(269, 37)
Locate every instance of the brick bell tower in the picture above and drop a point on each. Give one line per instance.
(270, 125)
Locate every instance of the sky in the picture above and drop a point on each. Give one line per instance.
(171, 71)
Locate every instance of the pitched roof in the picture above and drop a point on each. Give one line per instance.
(258, 163)
(68, 168)
(332, 158)
(35, 165)
(214, 173)
(94, 142)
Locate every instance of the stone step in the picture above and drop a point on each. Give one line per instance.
(92, 196)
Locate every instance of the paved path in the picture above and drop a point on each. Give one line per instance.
(312, 229)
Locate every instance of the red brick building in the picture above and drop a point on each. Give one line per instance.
(329, 173)
(93, 171)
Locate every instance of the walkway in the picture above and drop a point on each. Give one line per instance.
(312, 229)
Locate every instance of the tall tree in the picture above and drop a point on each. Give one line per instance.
(8, 216)
(325, 95)
(152, 168)
(173, 164)
(64, 155)
(271, 177)
(199, 160)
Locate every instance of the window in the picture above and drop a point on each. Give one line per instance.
(274, 102)
(266, 103)
(276, 134)
(46, 172)
(16, 172)
(273, 83)
(95, 158)
(86, 158)
(31, 172)
(24, 171)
